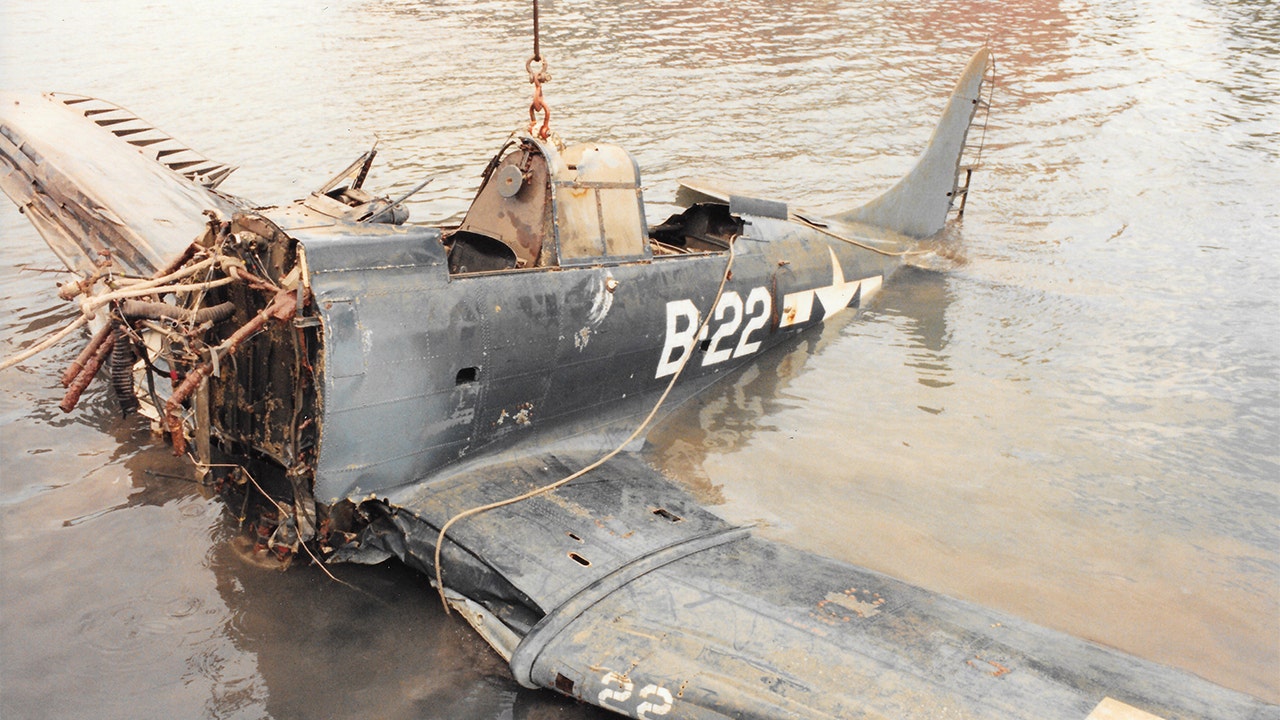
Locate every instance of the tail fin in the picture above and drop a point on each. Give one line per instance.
(917, 205)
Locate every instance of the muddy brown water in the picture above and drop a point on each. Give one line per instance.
(1073, 416)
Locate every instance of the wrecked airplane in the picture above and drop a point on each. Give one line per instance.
(470, 400)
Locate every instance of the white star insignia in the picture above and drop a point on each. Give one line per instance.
(797, 307)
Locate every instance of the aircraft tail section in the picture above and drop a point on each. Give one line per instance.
(918, 204)
(93, 178)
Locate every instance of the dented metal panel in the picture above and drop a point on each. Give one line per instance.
(625, 593)
(386, 400)
(599, 209)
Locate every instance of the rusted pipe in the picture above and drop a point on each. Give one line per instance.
(89, 304)
(172, 415)
(86, 375)
(77, 365)
(156, 281)
(281, 308)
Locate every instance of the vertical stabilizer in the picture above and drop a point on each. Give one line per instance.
(917, 205)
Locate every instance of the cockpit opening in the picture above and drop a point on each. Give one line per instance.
(703, 228)
(543, 207)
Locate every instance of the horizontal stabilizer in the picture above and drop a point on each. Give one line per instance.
(697, 190)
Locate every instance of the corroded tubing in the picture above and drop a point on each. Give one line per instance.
(74, 369)
(86, 374)
(156, 310)
(282, 307)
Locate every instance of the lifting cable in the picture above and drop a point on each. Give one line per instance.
(537, 78)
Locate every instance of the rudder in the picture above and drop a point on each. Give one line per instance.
(918, 204)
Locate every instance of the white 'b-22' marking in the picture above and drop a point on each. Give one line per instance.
(797, 308)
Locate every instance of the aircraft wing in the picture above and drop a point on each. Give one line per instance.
(95, 179)
(621, 590)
